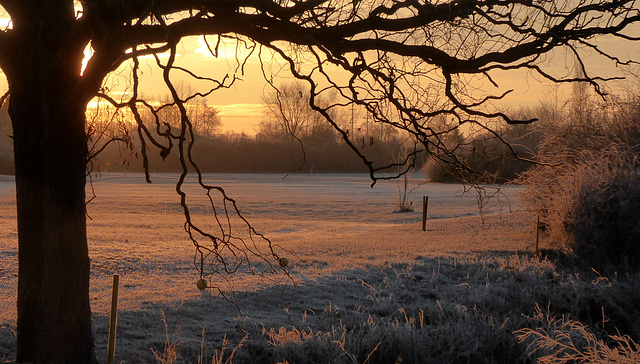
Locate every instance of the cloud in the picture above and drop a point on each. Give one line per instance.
(241, 110)
(226, 48)
(241, 118)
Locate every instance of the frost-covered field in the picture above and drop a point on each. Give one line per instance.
(368, 281)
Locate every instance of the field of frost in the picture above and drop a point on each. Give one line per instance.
(368, 285)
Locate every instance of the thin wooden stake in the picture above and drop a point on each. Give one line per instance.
(114, 320)
(425, 204)
(538, 236)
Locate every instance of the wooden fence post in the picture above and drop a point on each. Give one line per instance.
(538, 237)
(425, 204)
(114, 320)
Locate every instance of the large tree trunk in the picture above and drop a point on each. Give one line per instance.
(54, 317)
(47, 106)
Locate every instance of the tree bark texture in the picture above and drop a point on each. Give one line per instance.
(47, 106)
(54, 317)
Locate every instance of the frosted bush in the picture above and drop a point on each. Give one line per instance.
(591, 207)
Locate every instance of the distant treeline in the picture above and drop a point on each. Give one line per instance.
(319, 150)
(306, 143)
(243, 153)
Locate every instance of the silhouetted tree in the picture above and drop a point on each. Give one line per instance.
(289, 114)
(403, 61)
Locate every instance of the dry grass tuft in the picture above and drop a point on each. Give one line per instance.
(170, 353)
(284, 337)
(222, 357)
(564, 340)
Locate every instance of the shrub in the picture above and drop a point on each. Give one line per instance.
(439, 172)
(592, 206)
(485, 157)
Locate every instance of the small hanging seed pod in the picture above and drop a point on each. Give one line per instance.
(284, 262)
(201, 284)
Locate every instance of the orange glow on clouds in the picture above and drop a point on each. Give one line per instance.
(241, 118)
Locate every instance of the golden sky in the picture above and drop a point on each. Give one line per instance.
(241, 106)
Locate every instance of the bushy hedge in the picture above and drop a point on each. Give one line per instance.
(591, 207)
(587, 188)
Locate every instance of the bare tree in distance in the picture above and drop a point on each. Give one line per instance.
(288, 111)
(403, 61)
(288, 115)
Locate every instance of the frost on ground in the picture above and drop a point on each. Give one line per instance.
(368, 282)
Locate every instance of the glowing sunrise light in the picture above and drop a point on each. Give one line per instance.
(6, 23)
(77, 7)
(235, 110)
(88, 53)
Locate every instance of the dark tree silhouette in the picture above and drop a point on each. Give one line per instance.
(288, 114)
(404, 61)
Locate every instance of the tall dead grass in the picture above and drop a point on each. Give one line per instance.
(564, 340)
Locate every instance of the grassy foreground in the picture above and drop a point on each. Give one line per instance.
(471, 292)
(371, 287)
(495, 307)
